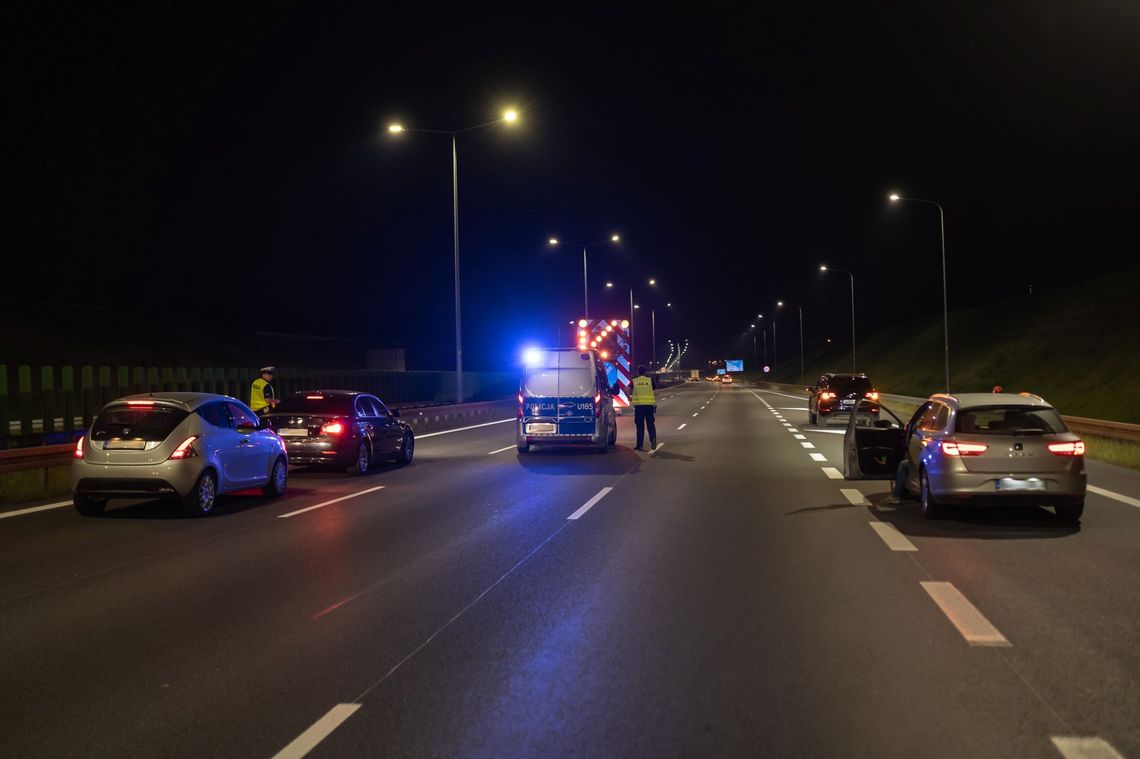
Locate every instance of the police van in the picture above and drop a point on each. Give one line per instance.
(565, 399)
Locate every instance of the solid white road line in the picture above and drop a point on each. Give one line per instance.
(854, 496)
(34, 509)
(975, 628)
(807, 445)
(588, 504)
(817, 457)
(828, 432)
(783, 395)
(1072, 747)
(492, 453)
(1115, 496)
(798, 436)
(894, 539)
(328, 503)
(832, 472)
(308, 740)
(683, 426)
(793, 408)
(461, 429)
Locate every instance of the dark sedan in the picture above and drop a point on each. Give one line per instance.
(341, 428)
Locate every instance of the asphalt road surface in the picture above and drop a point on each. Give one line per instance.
(727, 595)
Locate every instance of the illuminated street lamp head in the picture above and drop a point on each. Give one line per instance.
(553, 241)
(894, 196)
(753, 326)
(609, 284)
(510, 116)
(668, 305)
(780, 303)
(395, 128)
(637, 305)
(823, 267)
(652, 281)
(615, 238)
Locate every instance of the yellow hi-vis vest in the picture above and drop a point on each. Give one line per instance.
(643, 391)
(257, 395)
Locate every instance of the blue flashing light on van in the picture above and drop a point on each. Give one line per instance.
(565, 399)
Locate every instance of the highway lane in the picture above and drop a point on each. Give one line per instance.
(723, 597)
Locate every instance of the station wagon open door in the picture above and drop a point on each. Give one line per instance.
(872, 447)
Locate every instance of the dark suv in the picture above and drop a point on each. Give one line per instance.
(837, 394)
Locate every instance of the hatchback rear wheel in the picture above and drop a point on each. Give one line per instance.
(200, 501)
(276, 485)
(88, 506)
(931, 509)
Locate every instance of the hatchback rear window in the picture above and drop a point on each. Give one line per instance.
(576, 382)
(852, 385)
(316, 403)
(1010, 420)
(150, 423)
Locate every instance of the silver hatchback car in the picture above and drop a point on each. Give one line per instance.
(985, 448)
(191, 446)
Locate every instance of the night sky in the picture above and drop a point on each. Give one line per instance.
(228, 165)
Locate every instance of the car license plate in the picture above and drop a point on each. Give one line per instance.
(538, 428)
(1009, 483)
(847, 404)
(293, 432)
(124, 445)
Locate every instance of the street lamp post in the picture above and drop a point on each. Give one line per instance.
(895, 198)
(585, 277)
(781, 304)
(508, 117)
(826, 268)
(631, 355)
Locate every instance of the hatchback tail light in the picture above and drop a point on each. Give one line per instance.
(332, 428)
(79, 447)
(185, 449)
(963, 449)
(1067, 449)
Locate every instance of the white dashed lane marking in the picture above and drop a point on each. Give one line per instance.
(817, 457)
(854, 496)
(832, 472)
(894, 539)
(971, 623)
(1075, 747)
(807, 445)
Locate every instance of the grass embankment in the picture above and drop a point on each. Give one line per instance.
(1079, 349)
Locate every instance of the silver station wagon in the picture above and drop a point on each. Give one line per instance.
(190, 446)
(978, 448)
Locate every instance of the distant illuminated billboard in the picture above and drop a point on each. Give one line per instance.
(720, 371)
(734, 365)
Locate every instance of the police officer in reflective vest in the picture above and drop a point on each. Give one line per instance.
(261, 396)
(644, 407)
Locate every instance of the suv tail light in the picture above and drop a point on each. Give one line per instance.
(332, 428)
(826, 396)
(1067, 449)
(963, 449)
(873, 395)
(79, 447)
(185, 449)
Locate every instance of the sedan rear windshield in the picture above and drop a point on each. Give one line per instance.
(150, 423)
(317, 404)
(1010, 420)
(549, 383)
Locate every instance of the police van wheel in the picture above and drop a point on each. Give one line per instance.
(613, 434)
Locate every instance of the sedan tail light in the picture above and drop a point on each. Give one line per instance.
(1067, 449)
(185, 449)
(963, 449)
(332, 428)
(79, 447)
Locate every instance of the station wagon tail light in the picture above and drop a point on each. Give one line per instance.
(963, 449)
(79, 447)
(185, 449)
(1067, 449)
(873, 395)
(140, 403)
(332, 428)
